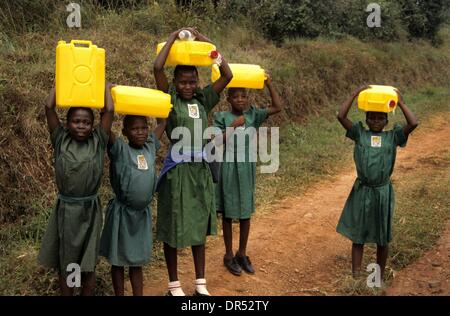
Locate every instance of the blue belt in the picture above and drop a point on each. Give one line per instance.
(169, 163)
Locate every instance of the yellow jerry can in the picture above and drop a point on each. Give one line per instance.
(244, 76)
(141, 101)
(378, 99)
(80, 74)
(194, 53)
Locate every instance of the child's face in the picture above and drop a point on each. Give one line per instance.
(238, 100)
(80, 125)
(376, 121)
(186, 82)
(137, 132)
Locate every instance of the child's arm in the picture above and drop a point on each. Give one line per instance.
(160, 127)
(219, 140)
(276, 102)
(158, 66)
(107, 116)
(225, 77)
(345, 107)
(225, 72)
(50, 112)
(411, 119)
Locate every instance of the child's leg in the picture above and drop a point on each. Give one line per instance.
(227, 226)
(228, 260)
(241, 258)
(357, 255)
(382, 254)
(65, 290)
(137, 280)
(171, 261)
(117, 275)
(88, 283)
(198, 252)
(244, 226)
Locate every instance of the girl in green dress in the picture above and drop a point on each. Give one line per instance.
(235, 192)
(186, 212)
(367, 215)
(127, 234)
(73, 232)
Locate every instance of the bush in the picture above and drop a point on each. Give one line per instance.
(286, 19)
(352, 19)
(424, 18)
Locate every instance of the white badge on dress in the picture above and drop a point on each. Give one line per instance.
(142, 163)
(376, 141)
(193, 111)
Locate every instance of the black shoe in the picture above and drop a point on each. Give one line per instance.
(245, 263)
(232, 266)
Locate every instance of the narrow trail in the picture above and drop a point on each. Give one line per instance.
(430, 275)
(295, 248)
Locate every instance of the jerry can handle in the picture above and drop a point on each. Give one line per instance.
(88, 43)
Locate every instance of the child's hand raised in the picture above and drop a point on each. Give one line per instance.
(360, 89)
(174, 35)
(400, 97)
(198, 36)
(51, 99)
(109, 86)
(109, 102)
(193, 31)
(50, 111)
(268, 80)
(108, 96)
(107, 113)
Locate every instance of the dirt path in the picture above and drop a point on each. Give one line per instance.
(295, 248)
(430, 275)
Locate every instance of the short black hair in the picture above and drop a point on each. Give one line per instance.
(128, 119)
(385, 114)
(184, 68)
(232, 91)
(72, 110)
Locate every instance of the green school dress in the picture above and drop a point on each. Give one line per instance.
(73, 232)
(186, 212)
(127, 234)
(367, 215)
(235, 192)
